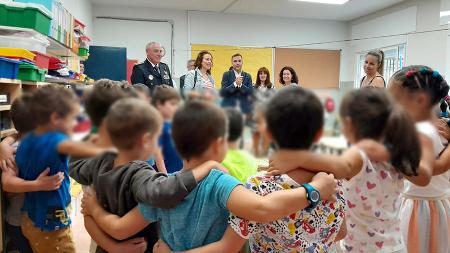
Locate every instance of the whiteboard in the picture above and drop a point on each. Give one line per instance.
(134, 36)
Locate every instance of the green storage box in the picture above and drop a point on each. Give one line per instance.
(83, 51)
(26, 17)
(28, 72)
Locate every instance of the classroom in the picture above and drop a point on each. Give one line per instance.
(243, 126)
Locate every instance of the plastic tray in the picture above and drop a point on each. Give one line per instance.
(16, 53)
(9, 68)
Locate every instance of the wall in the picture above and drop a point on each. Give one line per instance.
(195, 27)
(412, 20)
(82, 10)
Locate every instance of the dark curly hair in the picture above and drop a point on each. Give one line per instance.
(294, 75)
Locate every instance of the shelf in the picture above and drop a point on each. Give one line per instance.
(7, 132)
(32, 83)
(55, 48)
(10, 81)
(5, 107)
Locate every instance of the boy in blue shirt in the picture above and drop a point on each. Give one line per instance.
(199, 133)
(166, 100)
(46, 220)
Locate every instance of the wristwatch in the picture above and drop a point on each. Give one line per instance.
(312, 195)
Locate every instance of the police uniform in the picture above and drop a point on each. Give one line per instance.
(145, 73)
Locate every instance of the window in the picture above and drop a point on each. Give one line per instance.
(394, 60)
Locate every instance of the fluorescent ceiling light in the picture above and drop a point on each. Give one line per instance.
(445, 13)
(324, 1)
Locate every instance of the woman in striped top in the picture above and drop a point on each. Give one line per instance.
(199, 82)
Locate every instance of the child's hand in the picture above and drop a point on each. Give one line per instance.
(6, 156)
(49, 183)
(374, 150)
(89, 203)
(442, 127)
(280, 162)
(135, 245)
(326, 185)
(161, 247)
(203, 170)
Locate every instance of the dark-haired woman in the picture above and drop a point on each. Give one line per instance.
(373, 68)
(288, 76)
(264, 90)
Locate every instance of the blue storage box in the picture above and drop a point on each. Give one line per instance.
(9, 68)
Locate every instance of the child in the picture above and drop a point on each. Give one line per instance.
(240, 163)
(202, 217)
(23, 123)
(166, 100)
(46, 222)
(120, 180)
(419, 89)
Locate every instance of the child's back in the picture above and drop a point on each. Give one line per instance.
(200, 219)
(302, 231)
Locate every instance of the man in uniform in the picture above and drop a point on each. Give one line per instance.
(152, 71)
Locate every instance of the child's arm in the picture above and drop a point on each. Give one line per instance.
(163, 191)
(118, 227)
(342, 231)
(442, 164)
(78, 149)
(159, 160)
(83, 170)
(343, 167)
(12, 183)
(425, 170)
(230, 243)
(248, 205)
(136, 245)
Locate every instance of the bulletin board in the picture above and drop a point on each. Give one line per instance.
(254, 58)
(316, 69)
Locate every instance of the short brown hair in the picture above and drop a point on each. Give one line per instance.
(163, 93)
(98, 101)
(21, 115)
(128, 119)
(50, 99)
(236, 55)
(195, 126)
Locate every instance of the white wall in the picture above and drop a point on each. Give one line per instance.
(82, 10)
(222, 29)
(412, 18)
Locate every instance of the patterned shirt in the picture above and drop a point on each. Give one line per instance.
(303, 231)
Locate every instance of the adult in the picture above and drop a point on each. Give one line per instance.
(199, 82)
(263, 91)
(152, 72)
(190, 66)
(373, 68)
(288, 76)
(237, 87)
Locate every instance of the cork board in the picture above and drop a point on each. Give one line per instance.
(315, 68)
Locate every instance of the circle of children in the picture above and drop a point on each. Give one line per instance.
(392, 195)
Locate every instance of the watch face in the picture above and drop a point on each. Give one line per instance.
(315, 196)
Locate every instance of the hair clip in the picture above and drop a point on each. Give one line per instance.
(409, 74)
(447, 98)
(423, 70)
(436, 74)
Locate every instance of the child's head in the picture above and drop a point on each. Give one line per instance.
(199, 131)
(294, 118)
(21, 115)
(98, 101)
(142, 91)
(134, 125)
(235, 124)
(418, 89)
(55, 107)
(166, 99)
(372, 114)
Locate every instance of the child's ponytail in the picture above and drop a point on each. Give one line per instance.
(401, 138)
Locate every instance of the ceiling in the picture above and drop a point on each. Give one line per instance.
(282, 8)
